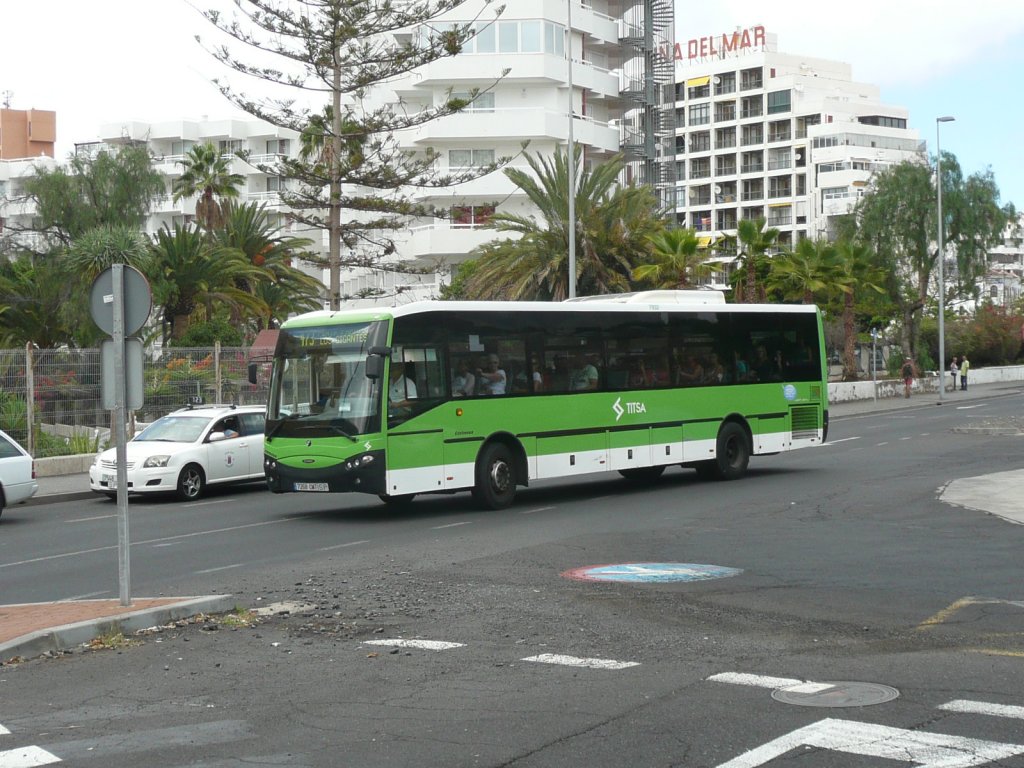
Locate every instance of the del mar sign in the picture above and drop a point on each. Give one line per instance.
(720, 46)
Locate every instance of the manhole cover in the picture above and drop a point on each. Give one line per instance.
(651, 572)
(835, 694)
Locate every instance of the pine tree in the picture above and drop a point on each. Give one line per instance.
(347, 51)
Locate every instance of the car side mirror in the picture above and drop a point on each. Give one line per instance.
(216, 437)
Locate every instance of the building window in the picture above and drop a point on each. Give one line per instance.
(779, 101)
(530, 36)
(700, 168)
(725, 111)
(508, 37)
(752, 134)
(700, 141)
(471, 215)
(725, 137)
(751, 106)
(230, 146)
(780, 186)
(277, 147)
(484, 102)
(725, 83)
(470, 158)
(700, 114)
(725, 165)
(752, 162)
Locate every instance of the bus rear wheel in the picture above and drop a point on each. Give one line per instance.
(495, 477)
(732, 452)
(642, 474)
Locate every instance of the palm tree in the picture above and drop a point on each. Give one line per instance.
(855, 272)
(207, 174)
(100, 247)
(678, 260)
(282, 289)
(803, 273)
(753, 240)
(187, 273)
(612, 223)
(33, 292)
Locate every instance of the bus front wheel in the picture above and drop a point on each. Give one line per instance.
(495, 477)
(732, 452)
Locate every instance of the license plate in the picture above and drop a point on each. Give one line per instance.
(319, 487)
(110, 480)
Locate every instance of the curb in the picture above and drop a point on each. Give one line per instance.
(68, 636)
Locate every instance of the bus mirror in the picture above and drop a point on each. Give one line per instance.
(374, 366)
(381, 351)
(252, 373)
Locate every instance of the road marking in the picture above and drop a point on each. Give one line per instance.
(26, 757)
(885, 443)
(221, 568)
(90, 519)
(573, 661)
(429, 645)
(926, 750)
(538, 509)
(956, 605)
(342, 546)
(759, 681)
(451, 525)
(906, 438)
(842, 440)
(205, 503)
(86, 596)
(968, 407)
(150, 541)
(3, 731)
(983, 708)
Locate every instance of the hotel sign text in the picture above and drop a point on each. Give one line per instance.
(720, 46)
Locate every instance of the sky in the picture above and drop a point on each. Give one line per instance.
(112, 61)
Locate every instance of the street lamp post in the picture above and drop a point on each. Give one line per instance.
(941, 256)
(571, 156)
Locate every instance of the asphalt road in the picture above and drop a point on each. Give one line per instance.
(850, 567)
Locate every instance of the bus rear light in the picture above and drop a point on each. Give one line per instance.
(458, 411)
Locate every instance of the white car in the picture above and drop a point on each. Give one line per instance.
(188, 450)
(17, 473)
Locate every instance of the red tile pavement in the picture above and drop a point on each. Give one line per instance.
(19, 620)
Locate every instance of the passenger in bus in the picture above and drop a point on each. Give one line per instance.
(690, 373)
(491, 376)
(584, 374)
(639, 378)
(464, 383)
(536, 374)
(714, 372)
(401, 389)
(766, 367)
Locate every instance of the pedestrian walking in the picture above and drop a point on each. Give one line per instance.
(908, 376)
(954, 369)
(965, 366)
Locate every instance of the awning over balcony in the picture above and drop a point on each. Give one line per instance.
(693, 82)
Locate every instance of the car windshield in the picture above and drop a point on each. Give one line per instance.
(319, 385)
(174, 429)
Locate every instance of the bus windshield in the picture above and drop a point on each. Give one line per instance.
(319, 386)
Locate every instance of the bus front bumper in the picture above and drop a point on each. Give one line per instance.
(365, 473)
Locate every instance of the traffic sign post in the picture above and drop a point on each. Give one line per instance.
(120, 302)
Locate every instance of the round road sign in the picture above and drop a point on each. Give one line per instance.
(137, 300)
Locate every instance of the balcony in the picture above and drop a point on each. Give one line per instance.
(517, 124)
(445, 239)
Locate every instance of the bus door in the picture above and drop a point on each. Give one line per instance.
(415, 391)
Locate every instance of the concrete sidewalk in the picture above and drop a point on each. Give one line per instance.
(37, 628)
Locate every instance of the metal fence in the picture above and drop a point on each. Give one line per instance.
(63, 388)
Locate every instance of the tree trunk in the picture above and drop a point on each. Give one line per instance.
(850, 372)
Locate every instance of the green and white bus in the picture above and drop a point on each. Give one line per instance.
(439, 397)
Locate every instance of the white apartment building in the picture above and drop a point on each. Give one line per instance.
(16, 210)
(521, 62)
(790, 138)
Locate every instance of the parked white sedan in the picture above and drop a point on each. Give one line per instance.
(186, 451)
(17, 473)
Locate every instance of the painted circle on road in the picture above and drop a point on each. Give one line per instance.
(651, 572)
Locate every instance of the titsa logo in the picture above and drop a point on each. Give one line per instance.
(617, 406)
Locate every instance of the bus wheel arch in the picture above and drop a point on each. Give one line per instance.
(500, 467)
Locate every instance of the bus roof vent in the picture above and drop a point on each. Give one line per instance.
(658, 297)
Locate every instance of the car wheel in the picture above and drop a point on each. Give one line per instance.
(642, 474)
(191, 483)
(495, 477)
